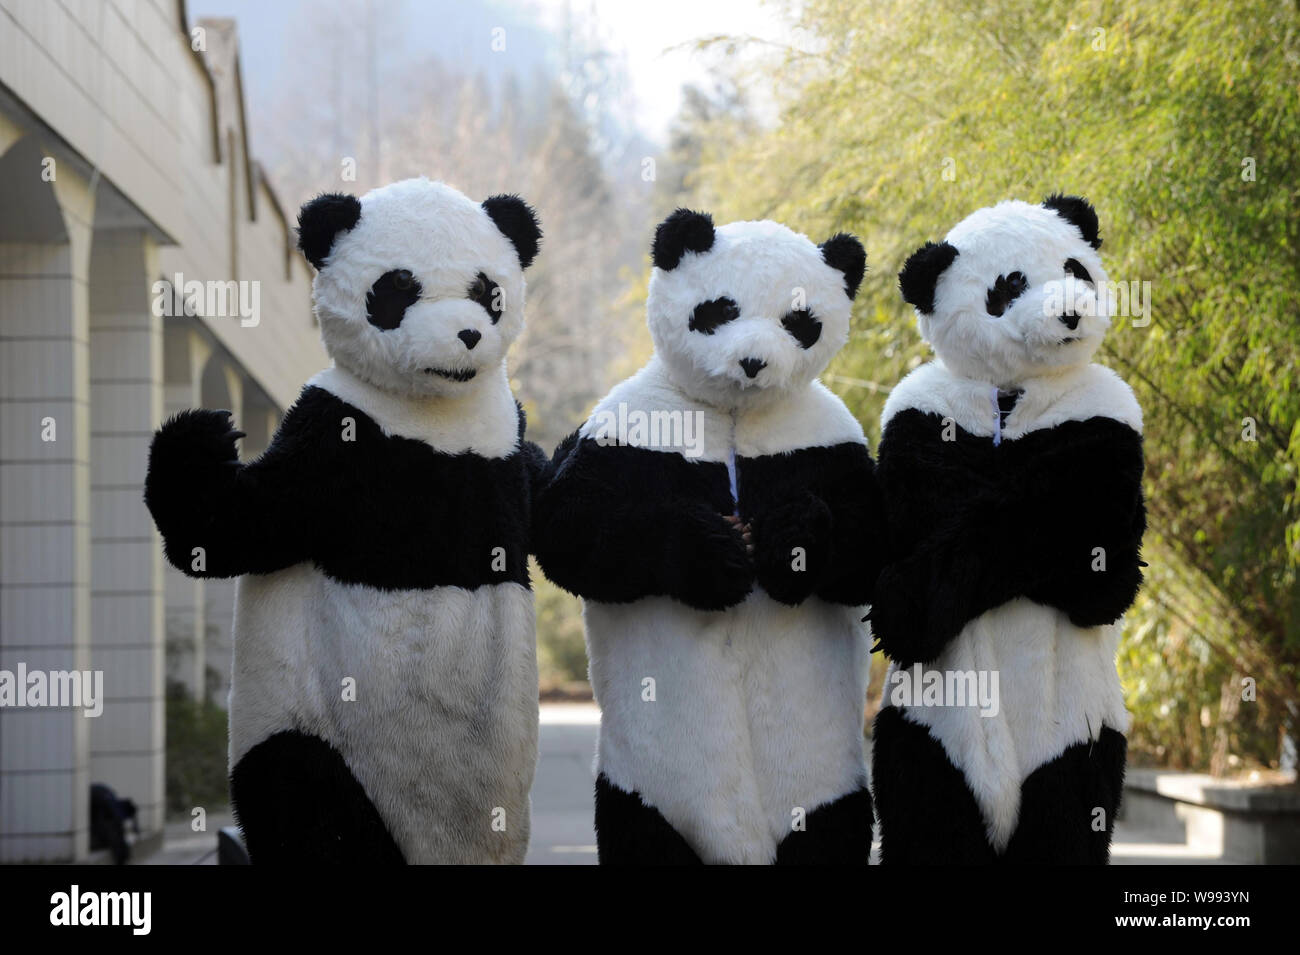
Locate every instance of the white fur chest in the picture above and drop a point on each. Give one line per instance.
(484, 420)
(807, 417)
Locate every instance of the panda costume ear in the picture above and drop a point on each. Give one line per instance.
(921, 273)
(683, 231)
(518, 223)
(1078, 211)
(321, 219)
(845, 253)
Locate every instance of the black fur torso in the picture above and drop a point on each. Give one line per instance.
(973, 525)
(367, 508)
(619, 523)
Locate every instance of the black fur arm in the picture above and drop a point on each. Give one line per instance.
(535, 464)
(816, 520)
(1091, 567)
(615, 524)
(534, 458)
(536, 467)
(858, 530)
(219, 517)
(976, 526)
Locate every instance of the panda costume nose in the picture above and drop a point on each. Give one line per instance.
(752, 366)
(1071, 320)
(470, 337)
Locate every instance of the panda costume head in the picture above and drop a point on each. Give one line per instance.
(419, 290)
(1011, 293)
(745, 312)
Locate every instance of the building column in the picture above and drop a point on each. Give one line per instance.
(127, 744)
(45, 237)
(223, 387)
(185, 353)
(261, 418)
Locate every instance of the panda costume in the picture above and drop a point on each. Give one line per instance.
(731, 685)
(383, 703)
(1011, 469)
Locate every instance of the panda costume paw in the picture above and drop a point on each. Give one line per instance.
(715, 571)
(1012, 468)
(900, 618)
(793, 548)
(383, 703)
(192, 464)
(194, 439)
(731, 687)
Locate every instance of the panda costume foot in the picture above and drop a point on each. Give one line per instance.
(629, 832)
(837, 833)
(298, 803)
(383, 703)
(731, 684)
(1012, 468)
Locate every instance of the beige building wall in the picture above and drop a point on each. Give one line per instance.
(123, 163)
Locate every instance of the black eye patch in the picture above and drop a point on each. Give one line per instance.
(389, 298)
(1005, 290)
(804, 326)
(488, 294)
(708, 316)
(1075, 267)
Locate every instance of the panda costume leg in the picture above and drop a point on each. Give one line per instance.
(298, 802)
(1011, 468)
(629, 832)
(934, 817)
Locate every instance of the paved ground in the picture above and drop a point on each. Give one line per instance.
(563, 789)
(562, 806)
(183, 846)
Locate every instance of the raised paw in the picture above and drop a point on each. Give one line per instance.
(197, 437)
(192, 465)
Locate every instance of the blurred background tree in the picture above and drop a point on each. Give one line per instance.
(1180, 122)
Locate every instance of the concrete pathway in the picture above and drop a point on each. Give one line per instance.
(183, 846)
(563, 790)
(562, 831)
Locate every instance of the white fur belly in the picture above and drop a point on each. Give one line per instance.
(756, 714)
(442, 732)
(1057, 686)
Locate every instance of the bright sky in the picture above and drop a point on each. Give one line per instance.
(648, 32)
(640, 30)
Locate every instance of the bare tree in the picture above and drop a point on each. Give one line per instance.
(560, 138)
